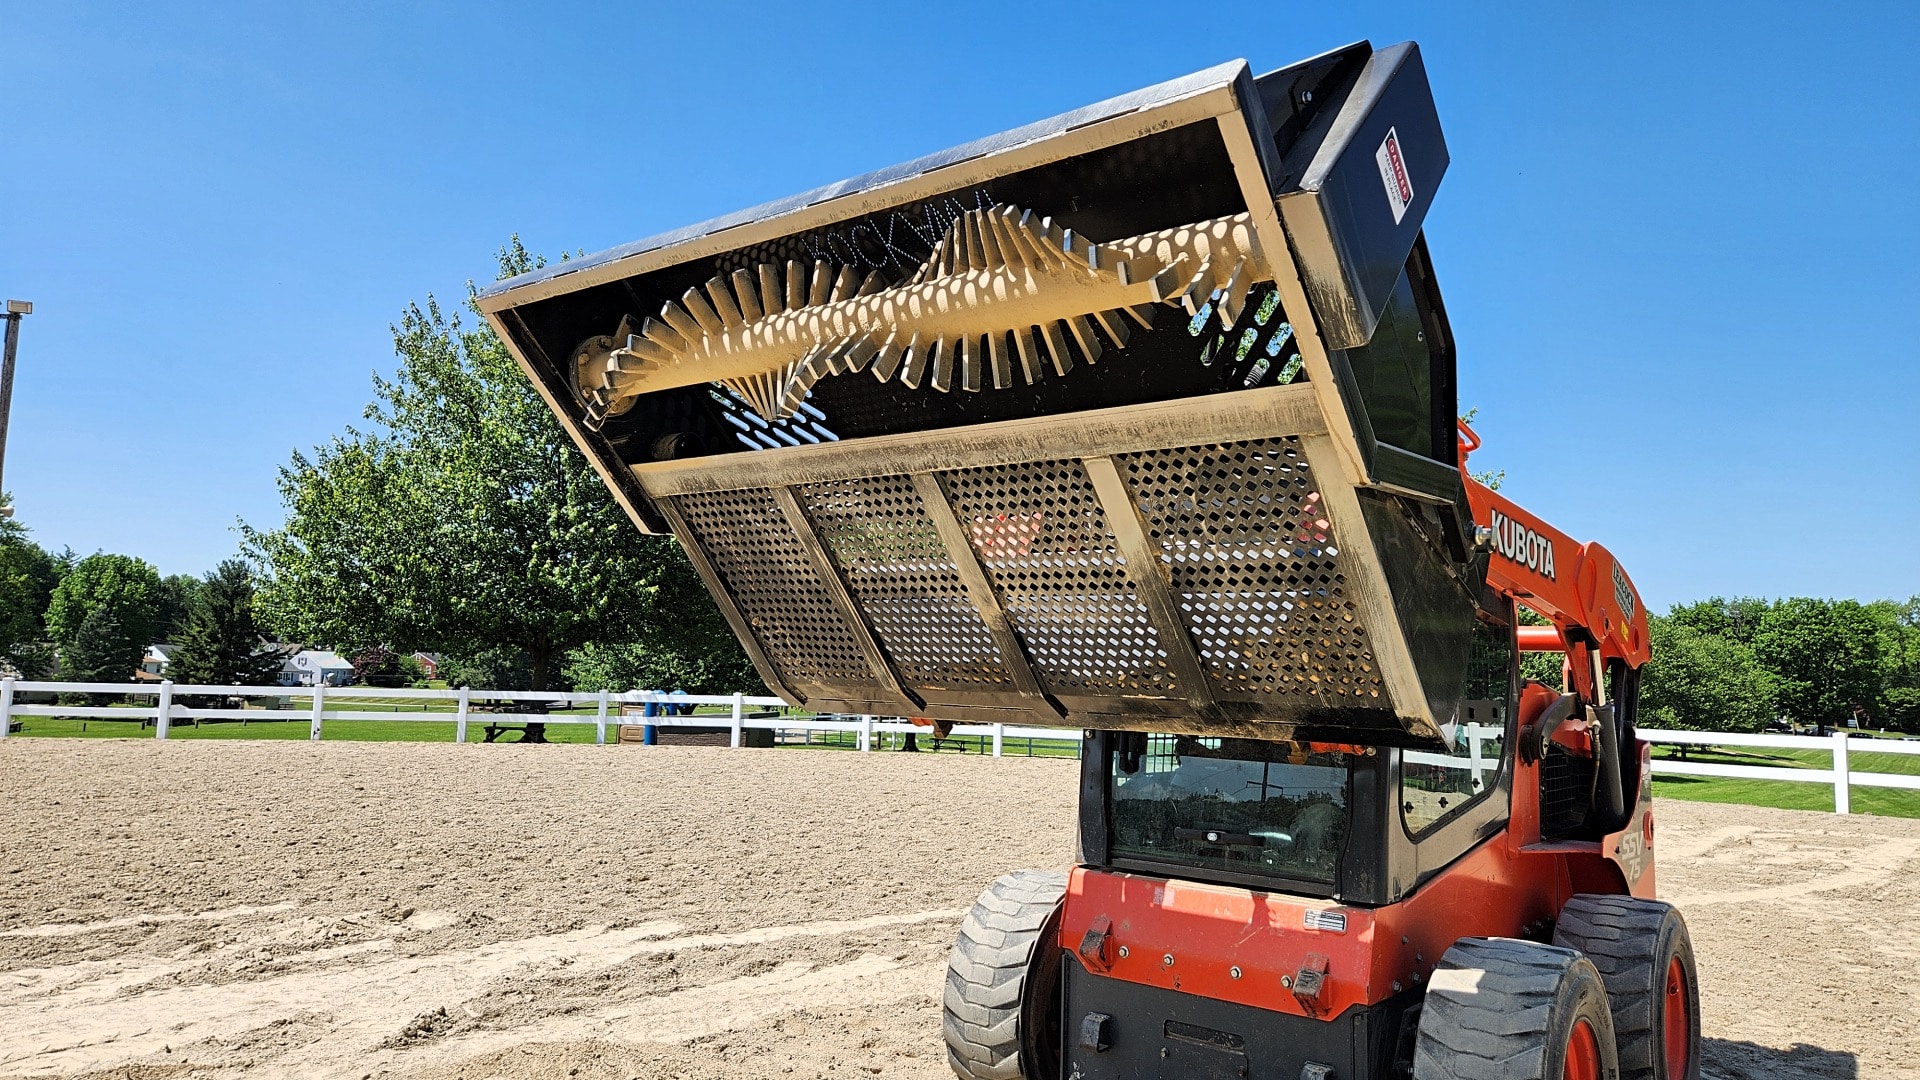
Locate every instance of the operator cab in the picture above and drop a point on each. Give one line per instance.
(1362, 825)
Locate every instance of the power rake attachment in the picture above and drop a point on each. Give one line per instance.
(1138, 417)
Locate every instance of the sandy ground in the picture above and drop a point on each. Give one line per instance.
(438, 911)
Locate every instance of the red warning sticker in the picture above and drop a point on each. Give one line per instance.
(1393, 174)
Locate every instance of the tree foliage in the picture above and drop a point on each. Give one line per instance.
(28, 576)
(125, 588)
(98, 652)
(1702, 681)
(218, 643)
(377, 665)
(1825, 654)
(464, 520)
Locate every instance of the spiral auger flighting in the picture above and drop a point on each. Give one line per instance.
(1005, 294)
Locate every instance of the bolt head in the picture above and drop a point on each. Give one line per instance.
(1286, 982)
(1123, 952)
(1166, 960)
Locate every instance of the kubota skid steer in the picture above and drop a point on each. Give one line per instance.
(1141, 421)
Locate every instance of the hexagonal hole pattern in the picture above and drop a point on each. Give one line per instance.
(1243, 532)
(1040, 533)
(773, 581)
(898, 571)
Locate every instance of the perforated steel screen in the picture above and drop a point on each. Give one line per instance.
(1044, 540)
(905, 582)
(770, 577)
(1244, 534)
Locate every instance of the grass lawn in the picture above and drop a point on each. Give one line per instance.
(1887, 802)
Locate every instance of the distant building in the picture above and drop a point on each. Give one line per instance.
(311, 667)
(153, 665)
(429, 663)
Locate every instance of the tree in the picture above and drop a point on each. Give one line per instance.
(1738, 618)
(28, 576)
(124, 587)
(98, 652)
(1825, 654)
(1702, 681)
(177, 594)
(218, 643)
(464, 521)
(377, 665)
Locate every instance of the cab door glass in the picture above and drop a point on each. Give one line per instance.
(1435, 786)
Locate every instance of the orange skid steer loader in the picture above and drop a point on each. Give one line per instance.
(1141, 421)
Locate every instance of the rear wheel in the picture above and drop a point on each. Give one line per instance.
(1001, 1009)
(1499, 1009)
(1644, 955)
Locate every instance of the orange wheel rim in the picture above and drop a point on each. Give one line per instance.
(1679, 1021)
(1583, 1053)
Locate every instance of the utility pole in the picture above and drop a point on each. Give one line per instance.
(15, 310)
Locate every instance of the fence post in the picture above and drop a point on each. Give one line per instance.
(319, 706)
(1842, 793)
(6, 707)
(460, 716)
(163, 710)
(999, 737)
(1476, 757)
(600, 724)
(739, 712)
(866, 733)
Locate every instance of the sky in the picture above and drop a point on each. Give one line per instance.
(1677, 242)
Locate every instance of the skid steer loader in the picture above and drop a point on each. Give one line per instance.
(1141, 421)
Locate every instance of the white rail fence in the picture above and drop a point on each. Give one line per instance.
(1839, 745)
(166, 711)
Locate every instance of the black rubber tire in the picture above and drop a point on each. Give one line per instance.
(1001, 1009)
(1632, 942)
(1500, 1009)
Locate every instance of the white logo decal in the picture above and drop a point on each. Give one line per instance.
(1523, 545)
(1333, 922)
(1622, 592)
(1393, 174)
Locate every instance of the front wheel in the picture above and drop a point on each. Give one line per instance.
(1645, 956)
(1496, 1007)
(1001, 1009)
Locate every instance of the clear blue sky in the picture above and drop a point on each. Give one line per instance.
(1678, 242)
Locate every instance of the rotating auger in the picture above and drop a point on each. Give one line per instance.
(1001, 284)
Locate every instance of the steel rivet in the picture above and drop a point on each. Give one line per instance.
(1167, 960)
(1123, 952)
(1234, 971)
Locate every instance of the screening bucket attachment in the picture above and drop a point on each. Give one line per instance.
(1138, 418)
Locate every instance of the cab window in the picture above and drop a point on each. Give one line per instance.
(1434, 786)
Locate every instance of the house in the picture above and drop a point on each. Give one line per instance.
(310, 667)
(153, 664)
(429, 663)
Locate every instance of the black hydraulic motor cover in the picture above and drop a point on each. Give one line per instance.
(1136, 418)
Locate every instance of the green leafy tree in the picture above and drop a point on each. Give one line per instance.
(218, 643)
(1825, 655)
(28, 576)
(177, 594)
(1701, 681)
(98, 652)
(126, 588)
(463, 521)
(1737, 619)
